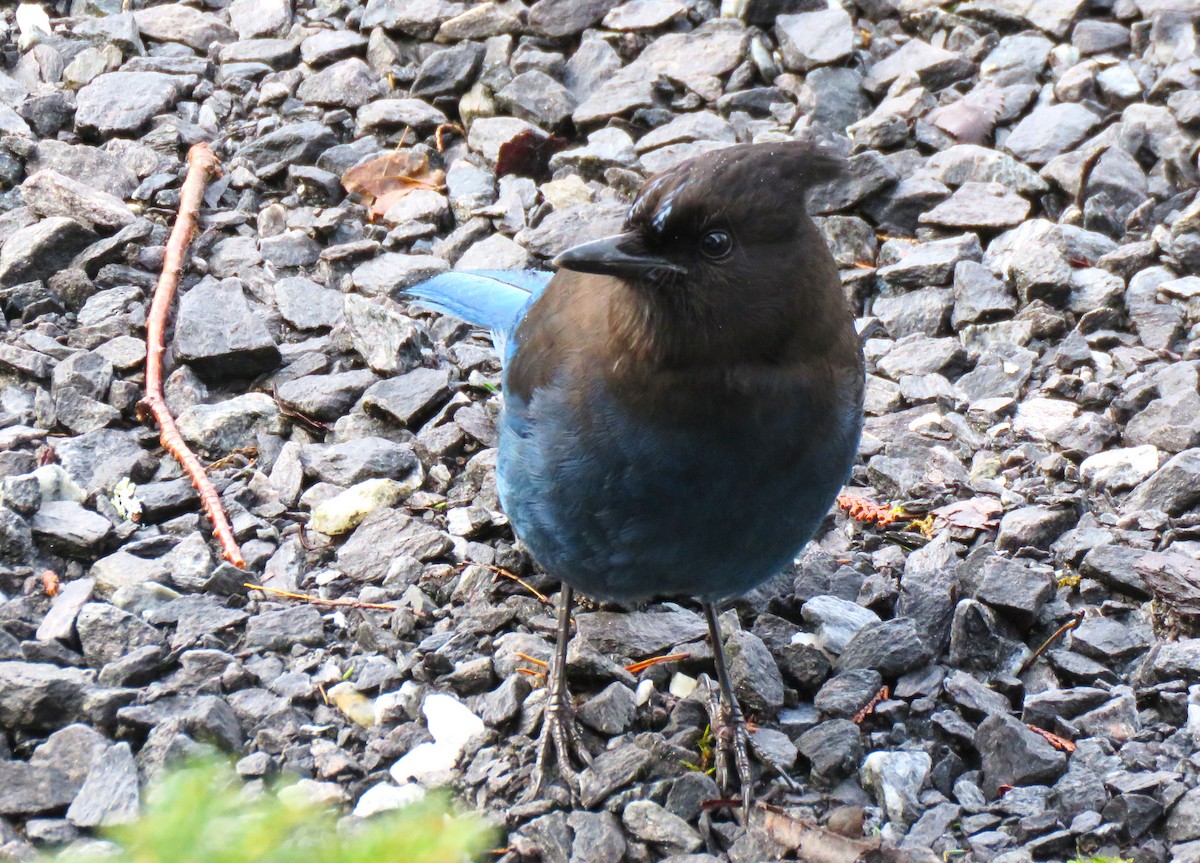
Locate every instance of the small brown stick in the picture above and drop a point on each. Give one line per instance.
(316, 600)
(642, 665)
(202, 165)
(1054, 636)
(506, 574)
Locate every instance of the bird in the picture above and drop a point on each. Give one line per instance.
(682, 402)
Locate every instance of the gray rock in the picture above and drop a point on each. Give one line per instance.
(42, 249)
(59, 622)
(328, 46)
(1014, 755)
(833, 749)
(109, 795)
(925, 312)
(325, 397)
(1173, 488)
(921, 355)
(896, 780)
(386, 339)
(891, 647)
(31, 789)
(814, 38)
(49, 193)
(392, 272)
(597, 838)
(122, 103)
(68, 528)
(99, 460)
(837, 621)
(936, 67)
(637, 634)
(203, 718)
(410, 398)
(644, 14)
(387, 114)
(538, 98)
(1015, 587)
(306, 305)
(107, 633)
(351, 462)
(347, 84)
(1108, 640)
(95, 167)
(848, 692)
(649, 822)
(567, 17)
(231, 424)
(279, 630)
(384, 536)
(931, 263)
(124, 570)
(449, 71)
(979, 296)
(610, 712)
(292, 144)
(175, 22)
(978, 205)
(219, 336)
(38, 696)
(1183, 822)
(1050, 130)
(757, 682)
(1033, 527)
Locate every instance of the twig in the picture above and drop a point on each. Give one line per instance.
(316, 600)
(202, 165)
(1070, 624)
(642, 665)
(506, 574)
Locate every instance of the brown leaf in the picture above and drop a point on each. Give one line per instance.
(528, 154)
(383, 181)
(977, 513)
(816, 844)
(50, 582)
(1173, 578)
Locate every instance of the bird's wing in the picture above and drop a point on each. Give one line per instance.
(495, 299)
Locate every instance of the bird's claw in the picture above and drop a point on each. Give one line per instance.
(735, 745)
(559, 743)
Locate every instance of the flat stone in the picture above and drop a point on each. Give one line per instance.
(42, 249)
(410, 398)
(31, 789)
(69, 528)
(175, 22)
(978, 205)
(1050, 130)
(50, 193)
(122, 103)
(384, 536)
(812, 39)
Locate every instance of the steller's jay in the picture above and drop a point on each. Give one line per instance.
(682, 401)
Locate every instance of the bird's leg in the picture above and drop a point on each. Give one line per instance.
(559, 740)
(729, 725)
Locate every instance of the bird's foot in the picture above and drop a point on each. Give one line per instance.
(735, 746)
(560, 744)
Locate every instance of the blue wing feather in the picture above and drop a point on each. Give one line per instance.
(495, 299)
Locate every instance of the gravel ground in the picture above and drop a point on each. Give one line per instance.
(1020, 236)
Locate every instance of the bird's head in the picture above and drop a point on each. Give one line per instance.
(720, 253)
(708, 223)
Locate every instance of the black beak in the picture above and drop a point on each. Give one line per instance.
(622, 255)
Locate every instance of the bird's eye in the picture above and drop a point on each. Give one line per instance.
(716, 244)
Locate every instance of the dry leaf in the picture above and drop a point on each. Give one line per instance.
(977, 513)
(383, 181)
(50, 582)
(528, 154)
(816, 844)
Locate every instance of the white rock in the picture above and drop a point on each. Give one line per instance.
(426, 762)
(681, 685)
(385, 798)
(1119, 469)
(449, 720)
